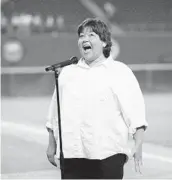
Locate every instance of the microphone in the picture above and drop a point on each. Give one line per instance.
(72, 60)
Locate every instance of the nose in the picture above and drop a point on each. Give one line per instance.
(85, 37)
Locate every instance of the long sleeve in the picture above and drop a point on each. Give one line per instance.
(131, 100)
(52, 117)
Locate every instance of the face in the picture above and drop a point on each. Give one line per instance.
(90, 45)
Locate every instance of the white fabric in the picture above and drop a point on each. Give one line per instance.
(100, 106)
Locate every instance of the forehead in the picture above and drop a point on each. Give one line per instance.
(87, 29)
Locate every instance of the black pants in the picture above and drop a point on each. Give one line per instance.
(109, 168)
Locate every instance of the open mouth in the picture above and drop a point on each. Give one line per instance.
(86, 48)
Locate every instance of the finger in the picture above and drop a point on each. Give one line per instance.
(52, 161)
(140, 165)
(137, 165)
(141, 161)
(54, 164)
(139, 168)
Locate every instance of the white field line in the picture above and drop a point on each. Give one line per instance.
(44, 174)
(157, 157)
(30, 133)
(26, 132)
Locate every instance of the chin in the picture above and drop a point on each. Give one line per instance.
(90, 59)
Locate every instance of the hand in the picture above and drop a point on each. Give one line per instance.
(51, 151)
(137, 154)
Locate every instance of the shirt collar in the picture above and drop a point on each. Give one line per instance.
(98, 62)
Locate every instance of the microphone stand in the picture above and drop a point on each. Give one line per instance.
(56, 74)
(55, 68)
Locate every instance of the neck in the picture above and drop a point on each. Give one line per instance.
(92, 63)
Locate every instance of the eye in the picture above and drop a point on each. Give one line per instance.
(91, 34)
(81, 35)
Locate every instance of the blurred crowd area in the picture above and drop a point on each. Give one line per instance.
(37, 24)
(46, 16)
(38, 33)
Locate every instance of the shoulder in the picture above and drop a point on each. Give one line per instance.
(122, 73)
(120, 67)
(67, 70)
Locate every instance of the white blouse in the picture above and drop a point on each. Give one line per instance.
(100, 106)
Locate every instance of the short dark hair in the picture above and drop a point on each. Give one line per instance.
(101, 29)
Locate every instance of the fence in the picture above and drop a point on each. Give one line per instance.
(34, 81)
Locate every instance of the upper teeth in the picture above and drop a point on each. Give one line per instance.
(86, 46)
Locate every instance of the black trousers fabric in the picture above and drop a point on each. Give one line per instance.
(109, 168)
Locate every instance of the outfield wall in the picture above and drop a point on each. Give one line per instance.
(45, 49)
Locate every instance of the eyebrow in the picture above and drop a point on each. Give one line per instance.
(88, 32)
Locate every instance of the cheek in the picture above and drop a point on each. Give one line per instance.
(97, 43)
(80, 45)
(79, 42)
(99, 48)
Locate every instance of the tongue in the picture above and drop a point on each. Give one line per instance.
(87, 49)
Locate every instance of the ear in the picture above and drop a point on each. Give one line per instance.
(115, 49)
(104, 44)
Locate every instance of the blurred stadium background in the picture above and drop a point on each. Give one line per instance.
(37, 33)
